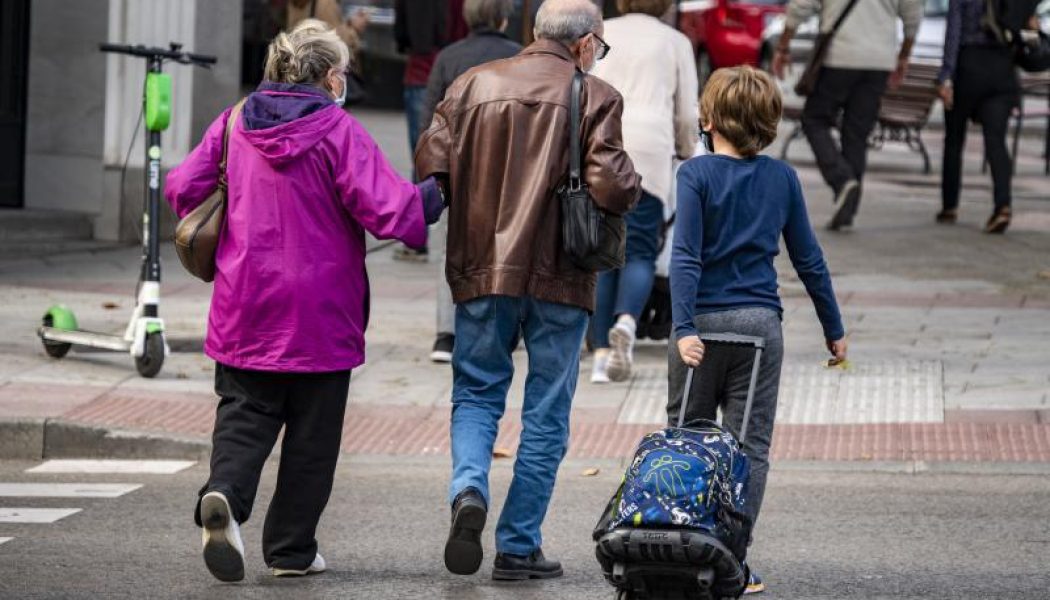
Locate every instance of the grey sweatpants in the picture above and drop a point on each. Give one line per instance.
(722, 381)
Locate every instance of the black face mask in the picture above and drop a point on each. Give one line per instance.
(707, 140)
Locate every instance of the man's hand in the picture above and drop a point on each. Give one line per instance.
(838, 350)
(898, 75)
(947, 93)
(691, 350)
(781, 63)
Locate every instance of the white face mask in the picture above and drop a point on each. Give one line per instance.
(341, 100)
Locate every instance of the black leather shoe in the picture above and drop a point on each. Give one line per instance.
(510, 567)
(463, 551)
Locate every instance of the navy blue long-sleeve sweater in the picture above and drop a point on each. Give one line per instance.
(731, 214)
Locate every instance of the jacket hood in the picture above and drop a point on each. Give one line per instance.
(283, 121)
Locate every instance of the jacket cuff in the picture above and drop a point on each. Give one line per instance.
(433, 201)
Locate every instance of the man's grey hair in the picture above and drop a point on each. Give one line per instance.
(566, 21)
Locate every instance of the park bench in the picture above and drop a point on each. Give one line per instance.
(904, 113)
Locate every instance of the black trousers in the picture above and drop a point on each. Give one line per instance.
(254, 406)
(848, 99)
(987, 91)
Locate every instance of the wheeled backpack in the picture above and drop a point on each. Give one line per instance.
(678, 525)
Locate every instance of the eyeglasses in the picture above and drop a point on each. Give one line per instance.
(603, 48)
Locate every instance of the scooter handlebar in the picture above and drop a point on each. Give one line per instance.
(176, 55)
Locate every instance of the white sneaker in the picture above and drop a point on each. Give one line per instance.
(599, 372)
(621, 339)
(318, 566)
(223, 547)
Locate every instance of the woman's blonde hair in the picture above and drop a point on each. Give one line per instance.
(744, 106)
(306, 54)
(655, 8)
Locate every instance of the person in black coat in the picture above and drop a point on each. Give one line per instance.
(487, 41)
(487, 20)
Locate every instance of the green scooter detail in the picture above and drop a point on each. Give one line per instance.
(144, 336)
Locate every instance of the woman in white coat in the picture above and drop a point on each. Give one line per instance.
(651, 64)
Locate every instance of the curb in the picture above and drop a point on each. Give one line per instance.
(54, 438)
(36, 439)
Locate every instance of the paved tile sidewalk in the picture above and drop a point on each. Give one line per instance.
(950, 337)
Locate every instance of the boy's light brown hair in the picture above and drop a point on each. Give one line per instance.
(744, 106)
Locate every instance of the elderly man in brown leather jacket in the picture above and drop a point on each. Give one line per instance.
(500, 140)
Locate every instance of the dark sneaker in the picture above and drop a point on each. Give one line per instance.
(442, 352)
(948, 216)
(463, 551)
(406, 254)
(510, 567)
(754, 584)
(999, 221)
(847, 201)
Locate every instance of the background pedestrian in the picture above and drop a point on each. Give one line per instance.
(652, 67)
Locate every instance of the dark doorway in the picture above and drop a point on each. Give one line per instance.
(14, 50)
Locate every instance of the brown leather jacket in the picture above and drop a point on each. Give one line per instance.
(501, 138)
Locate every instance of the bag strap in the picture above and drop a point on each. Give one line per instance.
(231, 121)
(575, 168)
(842, 19)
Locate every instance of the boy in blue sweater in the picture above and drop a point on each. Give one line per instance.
(733, 207)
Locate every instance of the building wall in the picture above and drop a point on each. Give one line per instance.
(66, 105)
(84, 105)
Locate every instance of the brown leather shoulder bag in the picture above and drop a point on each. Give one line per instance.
(197, 234)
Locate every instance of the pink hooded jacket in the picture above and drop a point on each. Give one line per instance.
(305, 183)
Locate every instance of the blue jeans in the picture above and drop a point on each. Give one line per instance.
(414, 97)
(487, 331)
(625, 291)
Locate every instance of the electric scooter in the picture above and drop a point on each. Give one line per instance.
(144, 336)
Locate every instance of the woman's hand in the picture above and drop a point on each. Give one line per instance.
(781, 63)
(838, 349)
(947, 93)
(691, 350)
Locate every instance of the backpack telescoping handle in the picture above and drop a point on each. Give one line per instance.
(728, 339)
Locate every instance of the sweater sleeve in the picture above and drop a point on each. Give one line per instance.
(686, 109)
(808, 260)
(799, 11)
(911, 14)
(952, 40)
(686, 259)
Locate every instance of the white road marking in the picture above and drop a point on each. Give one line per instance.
(2, 540)
(35, 515)
(154, 467)
(66, 490)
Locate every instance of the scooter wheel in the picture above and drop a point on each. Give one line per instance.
(151, 361)
(54, 349)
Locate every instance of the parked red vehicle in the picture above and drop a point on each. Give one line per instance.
(727, 33)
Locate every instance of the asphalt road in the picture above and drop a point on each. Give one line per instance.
(823, 535)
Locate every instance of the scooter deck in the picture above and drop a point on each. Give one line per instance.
(90, 339)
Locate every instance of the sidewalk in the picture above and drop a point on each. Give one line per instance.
(950, 337)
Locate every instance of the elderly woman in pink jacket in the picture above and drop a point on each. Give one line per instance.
(290, 303)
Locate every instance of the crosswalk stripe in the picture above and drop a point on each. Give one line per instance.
(66, 490)
(35, 515)
(2, 540)
(154, 467)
